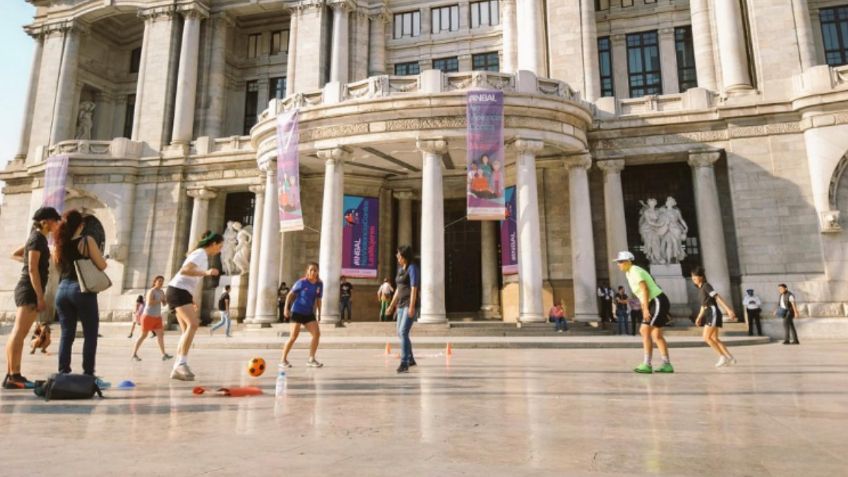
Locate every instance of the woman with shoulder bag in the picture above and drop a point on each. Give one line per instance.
(72, 303)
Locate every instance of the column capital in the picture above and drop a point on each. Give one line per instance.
(381, 15)
(258, 189)
(432, 146)
(202, 193)
(157, 13)
(194, 10)
(223, 19)
(611, 167)
(528, 146)
(339, 153)
(703, 158)
(582, 161)
(406, 194)
(343, 5)
(307, 4)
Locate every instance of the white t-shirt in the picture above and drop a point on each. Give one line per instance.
(386, 289)
(185, 282)
(752, 302)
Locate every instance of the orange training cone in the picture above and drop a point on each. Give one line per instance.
(448, 350)
(388, 348)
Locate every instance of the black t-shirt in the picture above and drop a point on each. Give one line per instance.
(346, 289)
(707, 296)
(70, 254)
(620, 306)
(37, 242)
(222, 302)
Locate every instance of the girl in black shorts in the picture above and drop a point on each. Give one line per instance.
(303, 307)
(29, 292)
(710, 316)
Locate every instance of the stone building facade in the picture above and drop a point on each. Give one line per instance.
(737, 108)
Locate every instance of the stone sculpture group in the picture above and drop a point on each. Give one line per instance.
(235, 255)
(663, 232)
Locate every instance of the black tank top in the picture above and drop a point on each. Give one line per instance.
(70, 254)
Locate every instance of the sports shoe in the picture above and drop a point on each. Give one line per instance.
(166, 357)
(101, 383)
(129, 336)
(285, 364)
(731, 361)
(182, 373)
(665, 368)
(644, 368)
(403, 368)
(314, 364)
(412, 362)
(721, 362)
(16, 381)
(136, 358)
(795, 342)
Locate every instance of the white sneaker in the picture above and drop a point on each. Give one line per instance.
(731, 361)
(312, 363)
(721, 362)
(182, 373)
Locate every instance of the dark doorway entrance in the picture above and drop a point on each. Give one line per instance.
(239, 207)
(462, 260)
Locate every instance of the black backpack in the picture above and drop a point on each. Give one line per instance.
(67, 386)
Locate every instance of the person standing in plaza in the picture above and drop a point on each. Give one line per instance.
(303, 307)
(74, 305)
(408, 282)
(655, 308)
(635, 308)
(282, 292)
(384, 296)
(709, 316)
(605, 298)
(557, 315)
(753, 306)
(345, 289)
(151, 319)
(788, 310)
(224, 310)
(179, 296)
(29, 292)
(136, 319)
(621, 310)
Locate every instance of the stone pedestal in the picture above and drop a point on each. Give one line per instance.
(238, 295)
(670, 279)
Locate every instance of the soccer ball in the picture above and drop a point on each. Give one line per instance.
(256, 367)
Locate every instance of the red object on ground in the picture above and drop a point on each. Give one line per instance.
(241, 391)
(198, 390)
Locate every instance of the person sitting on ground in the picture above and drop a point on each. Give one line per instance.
(557, 315)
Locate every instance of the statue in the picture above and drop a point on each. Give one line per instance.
(663, 232)
(85, 120)
(228, 251)
(242, 255)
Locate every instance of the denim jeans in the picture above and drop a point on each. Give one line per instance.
(72, 306)
(344, 303)
(404, 325)
(560, 324)
(621, 317)
(225, 319)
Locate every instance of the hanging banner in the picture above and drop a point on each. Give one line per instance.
(55, 178)
(509, 235)
(485, 144)
(359, 236)
(288, 172)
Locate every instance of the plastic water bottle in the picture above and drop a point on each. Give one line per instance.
(281, 380)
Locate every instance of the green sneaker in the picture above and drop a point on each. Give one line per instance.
(665, 368)
(644, 368)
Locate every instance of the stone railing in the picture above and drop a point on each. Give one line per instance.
(693, 99)
(118, 148)
(205, 145)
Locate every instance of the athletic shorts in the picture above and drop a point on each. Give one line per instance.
(712, 317)
(659, 308)
(25, 293)
(177, 297)
(151, 323)
(302, 319)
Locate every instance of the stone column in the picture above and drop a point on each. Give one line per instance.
(432, 232)
(255, 250)
(530, 43)
(616, 226)
(702, 41)
(732, 47)
(32, 89)
(265, 311)
(104, 117)
(187, 79)
(404, 198)
(154, 93)
(529, 236)
(291, 58)
(591, 68)
(582, 238)
(489, 269)
(340, 55)
(330, 252)
(510, 45)
(621, 85)
(217, 89)
(708, 209)
(668, 69)
(377, 44)
(64, 119)
(199, 213)
(804, 31)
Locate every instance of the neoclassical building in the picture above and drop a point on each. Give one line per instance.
(738, 109)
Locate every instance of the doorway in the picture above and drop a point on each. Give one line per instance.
(463, 286)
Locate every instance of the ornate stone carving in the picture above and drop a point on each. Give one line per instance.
(202, 193)
(228, 250)
(703, 158)
(340, 153)
(241, 259)
(528, 146)
(663, 232)
(582, 160)
(432, 146)
(157, 13)
(830, 221)
(85, 120)
(611, 167)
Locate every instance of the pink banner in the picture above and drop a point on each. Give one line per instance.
(55, 178)
(288, 172)
(485, 161)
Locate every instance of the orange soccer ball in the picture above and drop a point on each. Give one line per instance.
(256, 367)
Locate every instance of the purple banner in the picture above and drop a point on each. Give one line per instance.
(485, 161)
(288, 172)
(359, 236)
(509, 236)
(55, 178)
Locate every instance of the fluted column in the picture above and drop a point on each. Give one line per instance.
(530, 42)
(330, 251)
(187, 79)
(510, 41)
(255, 250)
(64, 119)
(804, 32)
(339, 58)
(591, 69)
(582, 239)
(32, 89)
(702, 44)
(489, 269)
(732, 46)
(199, 224)
(268, 272)
(156, 74)
(377, 44)
(432, 232)
(708, 210)
(404, 198)
(616, 226)
(529, 236)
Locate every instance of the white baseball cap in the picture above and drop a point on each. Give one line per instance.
(624, 256)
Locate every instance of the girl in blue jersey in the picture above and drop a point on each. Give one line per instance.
(303, 307)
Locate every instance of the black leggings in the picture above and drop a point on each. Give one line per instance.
(789, 326)
(754, 319)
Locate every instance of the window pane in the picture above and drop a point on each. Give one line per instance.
(475, 15)
(484, 16)
(416, 23)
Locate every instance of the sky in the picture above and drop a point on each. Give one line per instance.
(15, 63)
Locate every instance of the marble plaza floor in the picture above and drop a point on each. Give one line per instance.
(782, 410)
